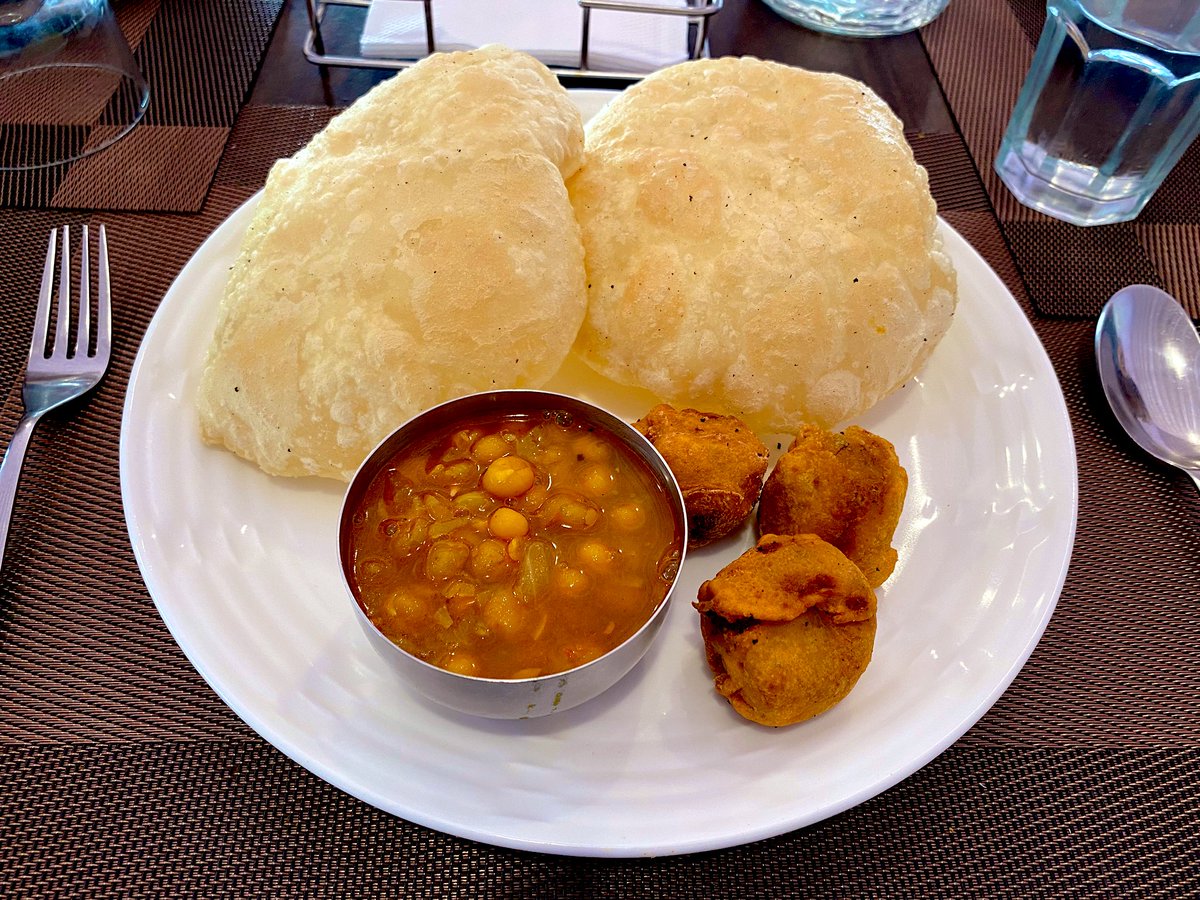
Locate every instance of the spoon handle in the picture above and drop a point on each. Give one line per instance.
(1195, 473)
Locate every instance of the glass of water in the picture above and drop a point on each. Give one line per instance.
(1111, 101)
(859, 18)
(69, 85)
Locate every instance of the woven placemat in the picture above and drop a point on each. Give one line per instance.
(1069, 270)
(199, 57)
(83, 653)
(123, 774)
(236, 819)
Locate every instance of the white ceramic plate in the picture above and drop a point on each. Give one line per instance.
(243, 568)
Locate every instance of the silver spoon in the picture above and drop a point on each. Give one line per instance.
(1148, 352)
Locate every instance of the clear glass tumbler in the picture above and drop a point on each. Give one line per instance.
(69, 85)
(1111, 101)
(859, 18)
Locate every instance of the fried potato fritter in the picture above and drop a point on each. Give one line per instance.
(788, 627)
(718, 462)
(847, 488)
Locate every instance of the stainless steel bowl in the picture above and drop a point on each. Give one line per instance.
(526, 697)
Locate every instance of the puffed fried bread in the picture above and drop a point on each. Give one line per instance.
(423, 246)
(759, 241)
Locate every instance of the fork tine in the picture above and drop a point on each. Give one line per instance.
(104, 300)
(64, 295)
(84, 327)
(41, 322)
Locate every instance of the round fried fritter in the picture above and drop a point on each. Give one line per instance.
(846, 487)
(788, 627)
(718, 462)
(760, 240)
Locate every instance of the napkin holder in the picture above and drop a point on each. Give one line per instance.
(317, 44)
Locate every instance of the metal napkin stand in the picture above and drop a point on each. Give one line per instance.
(699, 11)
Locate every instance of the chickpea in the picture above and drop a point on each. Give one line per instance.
(516, 548)
(596, 555)
(446, 558)
(473, 533)
(629, 516)
(489, 448)
(577, 515)
(534, 497)
(502, 612)
(570, 580)
(508, 476)
(406, 606)
(507, 524)
(596, 480)
(550, 512)
(591, 448)
(489, 560)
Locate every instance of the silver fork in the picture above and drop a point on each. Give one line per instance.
(52, 379)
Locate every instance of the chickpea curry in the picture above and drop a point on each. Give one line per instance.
(514, 547)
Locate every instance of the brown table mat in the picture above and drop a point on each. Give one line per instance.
(981, 51)
(199, 57)
(123, 774)
(236, 819)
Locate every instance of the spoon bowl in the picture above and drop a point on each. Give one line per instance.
(1148, 353)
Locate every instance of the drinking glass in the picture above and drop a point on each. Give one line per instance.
(69, 85)
(1111, 101)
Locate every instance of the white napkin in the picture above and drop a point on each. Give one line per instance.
(551, 30)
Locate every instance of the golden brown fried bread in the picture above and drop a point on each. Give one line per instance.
(420, 248)
(788, 627)
(759, 240)
(718, 462)
(846, 487)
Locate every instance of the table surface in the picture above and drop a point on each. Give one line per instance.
(124, 774)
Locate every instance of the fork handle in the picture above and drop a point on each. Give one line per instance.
(10, 475)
